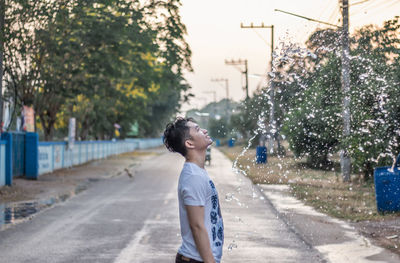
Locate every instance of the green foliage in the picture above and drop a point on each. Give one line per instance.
(218, 129)
(375, 104)
(314, 123)
(249, 114)
(313, 126)
(102, 62)
(218, 117)
(308, 98)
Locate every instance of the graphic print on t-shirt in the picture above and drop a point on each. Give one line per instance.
(217, 227)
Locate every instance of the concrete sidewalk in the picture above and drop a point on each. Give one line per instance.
(254, 230)
(261, 219)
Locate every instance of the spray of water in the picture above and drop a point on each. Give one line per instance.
(290, 54)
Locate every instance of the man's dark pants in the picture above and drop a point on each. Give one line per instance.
(182, 259)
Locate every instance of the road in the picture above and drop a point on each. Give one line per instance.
(125, 219)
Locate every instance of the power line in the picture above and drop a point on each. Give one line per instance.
(361, 2)
(373, 7)
(334, 15)
(219, 80)
(263, 39)
(308, 18)
(245, 72)
(324, 10)
(376, 5)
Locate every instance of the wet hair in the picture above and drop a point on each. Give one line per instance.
(175, 135)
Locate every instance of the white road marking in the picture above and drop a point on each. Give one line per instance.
(127, 255)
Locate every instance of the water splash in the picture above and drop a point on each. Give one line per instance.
(235, 166)
(232, 245)
(287, 55)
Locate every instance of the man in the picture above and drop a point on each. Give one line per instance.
(202, 228)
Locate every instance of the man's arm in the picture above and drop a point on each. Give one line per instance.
(200, 235)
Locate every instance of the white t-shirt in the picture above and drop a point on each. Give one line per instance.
(195, 188)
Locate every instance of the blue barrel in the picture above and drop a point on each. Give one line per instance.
(217, 142)
(387, 188)
(231, 142)
(261, 154)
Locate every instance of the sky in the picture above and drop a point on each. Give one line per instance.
(214, 35)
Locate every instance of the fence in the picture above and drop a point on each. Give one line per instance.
(27, 156)
(2, 163)
(57, 155)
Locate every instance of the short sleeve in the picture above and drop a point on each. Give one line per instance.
(194, 191)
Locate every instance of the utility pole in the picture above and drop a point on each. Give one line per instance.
(345, 161)
(241, 62)
(203, 117)
(226, 84)
(204, 100)
(262, 26)
(227, 93)
(272, 124)
(215, 100)
(2, 14)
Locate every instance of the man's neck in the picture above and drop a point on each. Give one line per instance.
(196, 158)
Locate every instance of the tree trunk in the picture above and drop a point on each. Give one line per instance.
(368, 172)
(318, 161)
(48, 126)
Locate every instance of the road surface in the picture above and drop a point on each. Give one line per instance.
(125, 219)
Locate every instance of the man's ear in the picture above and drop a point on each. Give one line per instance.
(189, 144)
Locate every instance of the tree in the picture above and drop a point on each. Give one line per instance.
(21, 48)
(375, 96)
(103, 62)
(249, 115)
(218, 129)
(313, 125)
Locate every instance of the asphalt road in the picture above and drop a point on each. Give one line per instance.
(125, 219)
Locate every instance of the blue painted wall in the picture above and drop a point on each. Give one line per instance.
(57, 155)
(45, 157)
(3, 163)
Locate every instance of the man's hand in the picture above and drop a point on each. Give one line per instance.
(200, 235)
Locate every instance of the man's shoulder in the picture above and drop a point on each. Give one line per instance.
(190, 175)
(192, 169)
(187, 171)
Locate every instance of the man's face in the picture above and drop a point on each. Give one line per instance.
(199, 136)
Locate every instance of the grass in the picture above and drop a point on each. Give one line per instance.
(321, 189)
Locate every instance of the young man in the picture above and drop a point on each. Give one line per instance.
(202, 228)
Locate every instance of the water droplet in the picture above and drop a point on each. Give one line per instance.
(232, 246)
(228, 197)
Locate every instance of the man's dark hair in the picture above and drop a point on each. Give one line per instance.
(175, 135)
